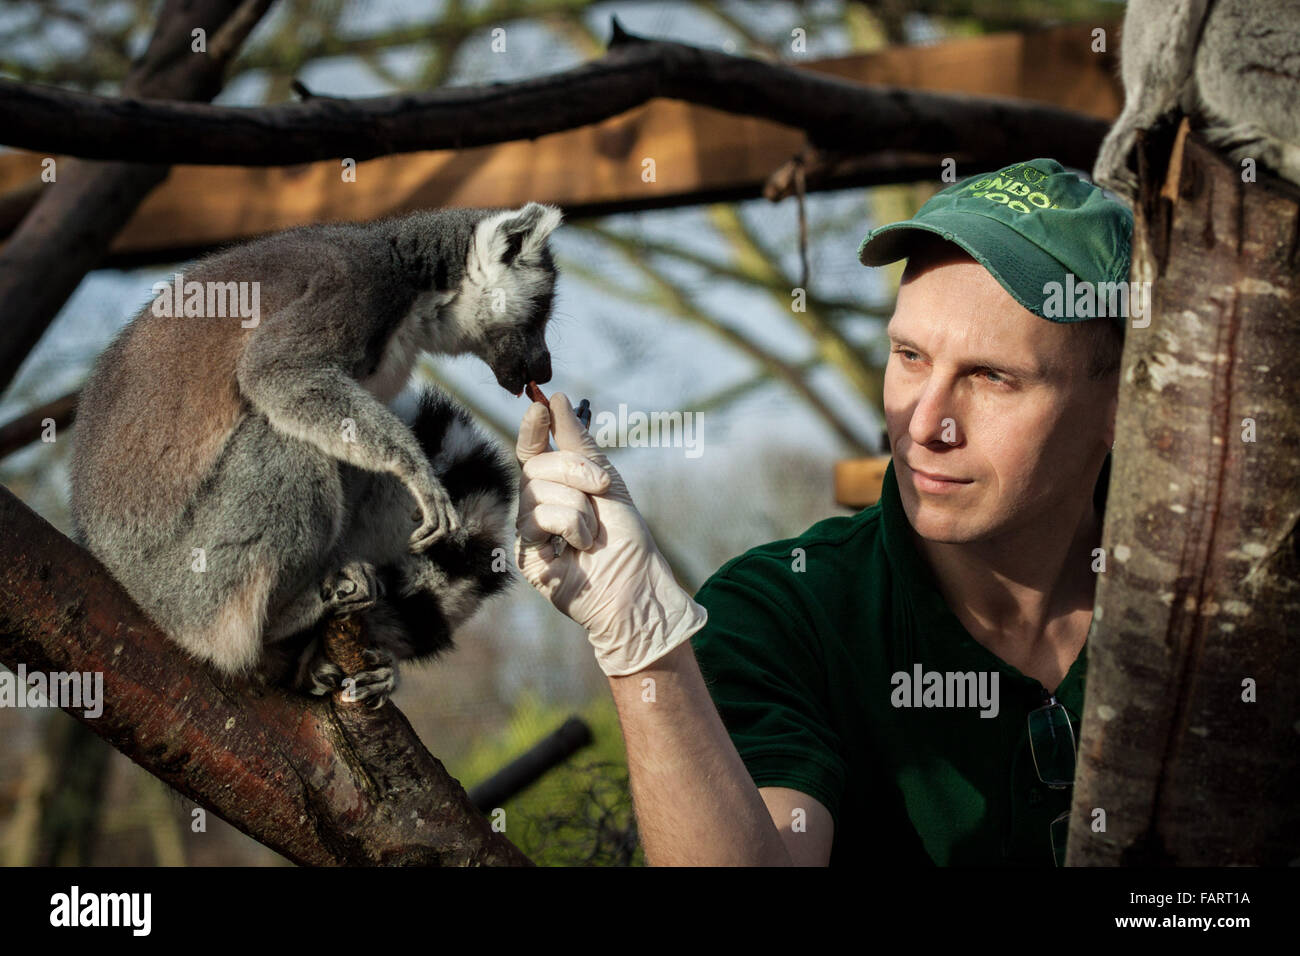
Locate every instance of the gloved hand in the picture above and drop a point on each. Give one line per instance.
(610, 578)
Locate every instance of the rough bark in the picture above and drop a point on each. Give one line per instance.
(854, 118)
(321, 781)
(1201, 594)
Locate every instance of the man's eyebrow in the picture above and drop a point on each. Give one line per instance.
(995, 365)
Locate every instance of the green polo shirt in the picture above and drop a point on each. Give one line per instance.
(805, 651)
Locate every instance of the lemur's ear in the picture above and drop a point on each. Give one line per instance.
(505, 236)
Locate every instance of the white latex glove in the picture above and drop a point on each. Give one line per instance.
(610, 578)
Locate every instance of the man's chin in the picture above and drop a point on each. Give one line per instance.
(942, 522)
(946, 532)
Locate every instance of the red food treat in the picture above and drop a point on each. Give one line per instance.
(535, 394)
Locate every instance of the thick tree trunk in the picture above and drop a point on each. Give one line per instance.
(1189, 745)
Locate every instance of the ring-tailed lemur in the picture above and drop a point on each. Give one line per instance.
(1232, 65)
(239, 472)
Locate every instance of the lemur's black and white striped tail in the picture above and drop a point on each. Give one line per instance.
(429, 596)
(426, 597)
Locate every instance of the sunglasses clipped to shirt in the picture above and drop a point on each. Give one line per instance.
(1051, 743)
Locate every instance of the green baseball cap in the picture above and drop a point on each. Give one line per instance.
(1030, 224)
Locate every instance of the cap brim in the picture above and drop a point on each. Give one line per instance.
(1008, 256)
(891, 243)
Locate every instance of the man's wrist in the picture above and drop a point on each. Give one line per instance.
(651, 641)
(674, 660)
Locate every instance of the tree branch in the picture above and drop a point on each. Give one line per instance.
(836, 114)
(232, 34)
(27, 427)
(66, 233)
(323, 782)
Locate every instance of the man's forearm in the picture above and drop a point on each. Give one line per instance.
(695, 802)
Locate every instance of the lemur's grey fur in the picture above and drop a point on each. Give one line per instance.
(1231, 65)
(272, 448)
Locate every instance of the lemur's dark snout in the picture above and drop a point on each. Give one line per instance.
(516, 367)
(539, 368)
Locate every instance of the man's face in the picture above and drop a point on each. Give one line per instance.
(993, 421)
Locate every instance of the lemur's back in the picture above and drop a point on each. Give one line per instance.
(140, 370)
(161, 363)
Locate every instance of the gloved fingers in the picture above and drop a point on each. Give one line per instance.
(534, 433)
(529, 531)
(527, 553)
(570, 435)
(568, 468)
(545, 520)
(568, 431)
(539, 491)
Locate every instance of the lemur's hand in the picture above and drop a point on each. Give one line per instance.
(435, 512)
(611, 579)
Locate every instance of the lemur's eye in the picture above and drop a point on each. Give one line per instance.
(514, 243)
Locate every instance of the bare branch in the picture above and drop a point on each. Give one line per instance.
(236, 30)
(67, 232)
(836, 114)
(26, 428)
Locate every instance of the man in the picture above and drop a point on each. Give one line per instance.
(904, 684)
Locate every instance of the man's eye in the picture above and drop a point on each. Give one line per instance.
(995, 377)
(908, 355)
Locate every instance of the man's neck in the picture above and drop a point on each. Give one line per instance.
(1027, 595)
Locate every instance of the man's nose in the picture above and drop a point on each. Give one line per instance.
(934, 419)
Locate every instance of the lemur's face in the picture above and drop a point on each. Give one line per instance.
(503, 304)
